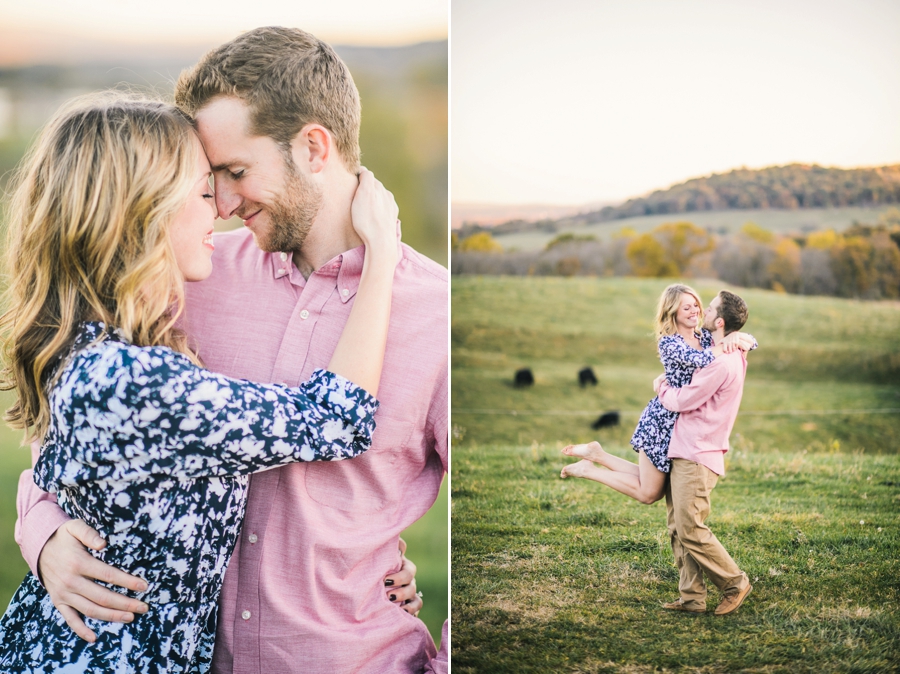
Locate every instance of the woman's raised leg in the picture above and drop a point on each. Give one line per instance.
(646, 486)
(593, 451)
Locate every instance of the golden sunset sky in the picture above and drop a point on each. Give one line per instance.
(56, 30)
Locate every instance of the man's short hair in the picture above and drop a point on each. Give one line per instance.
(733, 310)
(289, 79)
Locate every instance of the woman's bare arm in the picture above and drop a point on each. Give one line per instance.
(360, 351)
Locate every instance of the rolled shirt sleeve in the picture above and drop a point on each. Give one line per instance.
(38, 516)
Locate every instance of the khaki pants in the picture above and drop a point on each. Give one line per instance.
(697, 550)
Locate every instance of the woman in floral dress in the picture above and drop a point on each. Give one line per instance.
(112, 213)
(684, 345)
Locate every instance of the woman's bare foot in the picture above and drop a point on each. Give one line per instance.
(583, 468)
(592, 451)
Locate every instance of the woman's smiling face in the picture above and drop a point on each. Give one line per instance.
(191, 230)
(689, 313)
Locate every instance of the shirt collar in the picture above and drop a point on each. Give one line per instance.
(346, 268)
(281, 264)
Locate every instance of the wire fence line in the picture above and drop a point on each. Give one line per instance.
(754, 413)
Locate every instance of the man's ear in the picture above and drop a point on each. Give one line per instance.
(313, 146)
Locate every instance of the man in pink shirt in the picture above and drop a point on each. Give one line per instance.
(708, 407)
(278, 115)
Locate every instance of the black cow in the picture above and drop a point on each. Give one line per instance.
(586, 376)
(606, 419)
(524, 378)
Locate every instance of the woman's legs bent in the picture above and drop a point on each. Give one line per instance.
(645, 484)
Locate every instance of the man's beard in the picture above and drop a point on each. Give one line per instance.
(291, 215)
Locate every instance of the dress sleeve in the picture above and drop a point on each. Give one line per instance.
(134, 412)
(674, 351)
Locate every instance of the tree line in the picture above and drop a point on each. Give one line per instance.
(788, 187)
(861, 262)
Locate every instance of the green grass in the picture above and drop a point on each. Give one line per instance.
(427, 538)
(552, 575)
(13, 460)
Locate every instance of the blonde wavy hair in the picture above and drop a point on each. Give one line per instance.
(89, 239)
(667, 308)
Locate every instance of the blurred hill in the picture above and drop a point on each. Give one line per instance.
(494, 214)
(791, 187)
(403, 92)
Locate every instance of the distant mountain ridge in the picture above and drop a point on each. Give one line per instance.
(793, 186)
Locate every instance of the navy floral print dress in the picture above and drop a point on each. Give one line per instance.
(654, 429)
(155, 452)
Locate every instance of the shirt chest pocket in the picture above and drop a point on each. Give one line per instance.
(371, 482)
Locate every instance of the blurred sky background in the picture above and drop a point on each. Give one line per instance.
(36, 29)
(595, 101)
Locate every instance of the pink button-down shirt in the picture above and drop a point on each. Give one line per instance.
(304, 589)
(708, 406)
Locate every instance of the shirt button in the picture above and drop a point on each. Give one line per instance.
(253, 538)
(304, 314)
(282, 272)
(345, 292)
(245, 615)
(283, 257)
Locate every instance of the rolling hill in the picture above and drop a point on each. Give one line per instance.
(778, 188)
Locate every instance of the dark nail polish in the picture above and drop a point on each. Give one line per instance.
(388, 582)
(393, 597)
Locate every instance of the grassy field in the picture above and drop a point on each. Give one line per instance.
(552, 575)
(427, 538)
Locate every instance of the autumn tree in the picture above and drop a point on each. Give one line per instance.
(482, 242)
(568, 266)
(681, 241)
(886, 262)
(851, 259)
(648, 257)
(757, 233)
(784, 269)
(569, 238)
(824, 240)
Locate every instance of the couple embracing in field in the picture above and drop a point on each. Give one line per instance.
(155, 378)
(682, 436)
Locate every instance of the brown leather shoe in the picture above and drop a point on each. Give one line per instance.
(732, 603)
(678, 605)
